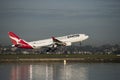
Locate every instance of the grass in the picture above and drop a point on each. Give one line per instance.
(20, 58)
(15, 56)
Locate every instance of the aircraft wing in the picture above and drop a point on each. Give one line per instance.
(58, 42)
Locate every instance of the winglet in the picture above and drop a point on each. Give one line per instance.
(58, 42)
(55, 40)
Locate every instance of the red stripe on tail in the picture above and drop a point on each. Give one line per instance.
(13, 35)
(18, 42)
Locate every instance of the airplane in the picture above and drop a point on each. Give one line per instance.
(51, 43)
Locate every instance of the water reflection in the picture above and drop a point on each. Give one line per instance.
(59, 71)
(46, 71)
(20, 72)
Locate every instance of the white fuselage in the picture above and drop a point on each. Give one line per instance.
(66, 39)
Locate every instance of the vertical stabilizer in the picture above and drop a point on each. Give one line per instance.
(17, 42)
(14, 38)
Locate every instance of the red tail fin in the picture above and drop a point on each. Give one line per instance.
(14, 38)
(17, 42)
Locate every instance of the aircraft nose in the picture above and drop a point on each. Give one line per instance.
(86, 36)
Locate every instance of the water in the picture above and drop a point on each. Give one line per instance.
(59, 71)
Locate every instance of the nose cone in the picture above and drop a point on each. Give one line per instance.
(87, 36)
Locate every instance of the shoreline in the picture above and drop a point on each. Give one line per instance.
(60, 60)
(21, 58)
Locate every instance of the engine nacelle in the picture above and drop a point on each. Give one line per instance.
(68, 43)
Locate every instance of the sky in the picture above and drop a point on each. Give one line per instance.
(41, 19)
